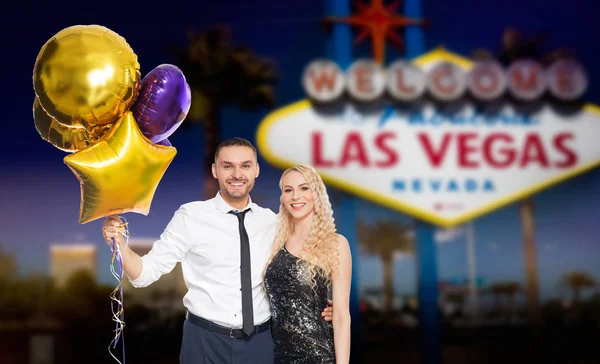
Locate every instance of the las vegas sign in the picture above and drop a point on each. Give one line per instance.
(438, 138)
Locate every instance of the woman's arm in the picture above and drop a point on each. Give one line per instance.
(340, 281)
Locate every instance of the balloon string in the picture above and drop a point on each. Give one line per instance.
(116, 295)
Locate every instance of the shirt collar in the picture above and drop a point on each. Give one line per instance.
(224, 208)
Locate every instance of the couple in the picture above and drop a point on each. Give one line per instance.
(257, 281)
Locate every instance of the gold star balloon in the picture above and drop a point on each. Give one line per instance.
(86, 75)
(120, 172)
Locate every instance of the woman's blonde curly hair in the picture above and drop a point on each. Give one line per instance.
(320, 251)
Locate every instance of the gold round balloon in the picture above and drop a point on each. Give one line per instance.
(65, 138)
(86, 75)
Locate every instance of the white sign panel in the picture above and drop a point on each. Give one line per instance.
(443, 163)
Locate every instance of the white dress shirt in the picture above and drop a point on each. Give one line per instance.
(205, 238)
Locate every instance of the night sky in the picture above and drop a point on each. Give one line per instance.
(39, 195)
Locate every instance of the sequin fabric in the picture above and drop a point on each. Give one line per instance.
(300, 334)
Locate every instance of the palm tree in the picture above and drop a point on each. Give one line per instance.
(221, 74)
(516, 45)
(534, 310)
(577, 281)
(384, 239)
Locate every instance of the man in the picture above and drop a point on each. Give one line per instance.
(223, 245)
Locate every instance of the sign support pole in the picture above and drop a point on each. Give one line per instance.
(339, 49)
(472, 266)
(429, 316)
(435, 196)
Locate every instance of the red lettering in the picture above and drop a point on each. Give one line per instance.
(392, 156)
(464, 150)
(400, 82)
(443, 81)
(482, 75)
(571, 156)
(435, 156)
(519, 79)
(533, 151)
(564, 79)
(497, 150)
(354, 150)
(323, 79)
(364, 82)
(317, 151)
(508, 153)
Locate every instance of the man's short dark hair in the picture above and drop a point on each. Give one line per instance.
(235, 142)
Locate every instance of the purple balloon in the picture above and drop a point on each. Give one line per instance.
(163, 102)
(165, 142)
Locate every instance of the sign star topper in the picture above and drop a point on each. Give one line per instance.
(379, 22)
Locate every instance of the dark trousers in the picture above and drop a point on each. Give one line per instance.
(201, 346)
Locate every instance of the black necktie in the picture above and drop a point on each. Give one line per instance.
(247, 311)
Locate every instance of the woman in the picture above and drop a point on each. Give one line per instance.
(308, 256)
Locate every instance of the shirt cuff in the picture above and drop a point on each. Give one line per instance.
(140, 281)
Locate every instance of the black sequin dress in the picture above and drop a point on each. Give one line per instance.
(300, 334)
